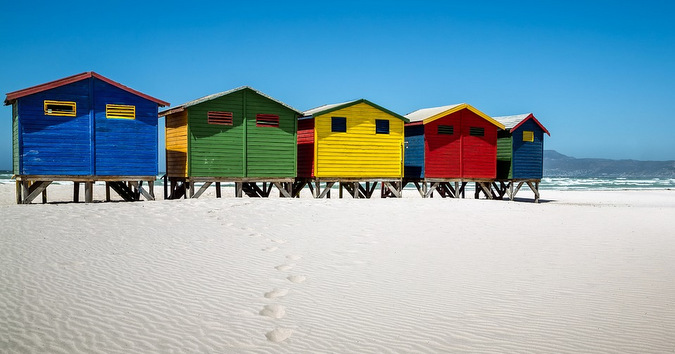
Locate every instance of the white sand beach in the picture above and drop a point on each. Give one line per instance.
(582, 272)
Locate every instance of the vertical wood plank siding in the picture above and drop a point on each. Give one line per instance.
(479, 153)
(414, 151)
(359, 152)
(176, 145)
(124, 147)
(306, 148)
(15, 139)
(56, 145)
(528, 157)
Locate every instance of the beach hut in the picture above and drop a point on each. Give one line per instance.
(520, 154)
(84, 128)
(449, 146)
(351, 143)
(241, 136)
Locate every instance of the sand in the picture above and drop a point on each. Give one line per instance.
(582, 272)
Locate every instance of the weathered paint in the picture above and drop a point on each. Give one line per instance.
(87, 143)
(306, 148)
(414, 151)
(358, 152)
(528, 157)
(176, 145)
(242, 149)
(124, 146)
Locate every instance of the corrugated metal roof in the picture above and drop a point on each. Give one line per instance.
(511, 121)
(326, 107)
(333, 107)
(221, 94)
(424, 113)
(427, 115)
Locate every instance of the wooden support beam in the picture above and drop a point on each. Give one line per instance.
(202, 189)
(513, 195)
(535, 188)
(164, 184)
(432, 188)
(283, 190)
(238, 189)
(326, 191)
(76, 192)
(392, 187)
(218, 194)
(107, 191)
(151, 190)
(35, 189)
(18, 187)
(88, 192)
(192, 189)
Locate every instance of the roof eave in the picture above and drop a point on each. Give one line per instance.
(355, 102)
(531, 116)
(460, 107)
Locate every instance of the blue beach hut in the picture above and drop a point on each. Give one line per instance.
(520, 153)
(84, 128)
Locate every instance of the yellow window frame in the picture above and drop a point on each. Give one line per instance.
(528, 136)
(51, 112)
(120, 111)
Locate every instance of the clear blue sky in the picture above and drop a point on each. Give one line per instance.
(600, 75)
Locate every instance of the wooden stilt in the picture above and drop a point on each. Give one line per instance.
(238, 188)
(76, 192)
(88, 192)
(201, 190)
(19, 200)
(107, 191)
(218, 194)
(151, 190)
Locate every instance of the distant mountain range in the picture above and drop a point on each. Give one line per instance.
(559, 165)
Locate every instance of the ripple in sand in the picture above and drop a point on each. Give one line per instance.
(279, 334)
(293, 257)
(270, 249)
(274, 311)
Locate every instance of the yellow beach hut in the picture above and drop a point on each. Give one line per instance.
(351, 143)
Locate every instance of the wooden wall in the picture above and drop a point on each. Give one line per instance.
(306, 148)
(414, 151)
(176, 144)
(359, 152)
(528, 157)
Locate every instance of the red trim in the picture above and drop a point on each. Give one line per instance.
(531, 116)
(12, 96)
(414, 123)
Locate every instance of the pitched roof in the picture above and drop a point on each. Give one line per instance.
(513, 122)
(426, 115)
(13, 96)
(182, 107)
(334, 107)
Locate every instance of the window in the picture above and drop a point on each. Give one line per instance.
(267, 120)
(338, 124)
(381, 126)
(120, 111)
(476, 131)
(60, 108)
(528, 136)
(222, 118)
(446, 129)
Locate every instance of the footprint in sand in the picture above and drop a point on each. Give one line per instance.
(293, 257)
(276, 293)
(297, 278)
(284, 267)
(255, 234)
(270, 249)
(279, 241)
(274, 311)
(279, 334)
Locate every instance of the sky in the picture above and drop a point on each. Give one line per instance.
(599, 75)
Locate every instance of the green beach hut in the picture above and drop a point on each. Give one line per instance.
(241, 136)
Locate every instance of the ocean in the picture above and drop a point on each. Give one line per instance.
(550, 183)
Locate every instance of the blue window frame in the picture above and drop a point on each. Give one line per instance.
(338, 124)
(381, 126)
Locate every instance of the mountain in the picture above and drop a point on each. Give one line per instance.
(559, 165)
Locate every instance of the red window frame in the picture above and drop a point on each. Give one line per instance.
(267, 120)
(219, 117)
